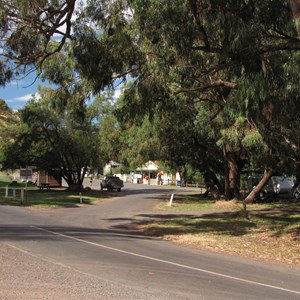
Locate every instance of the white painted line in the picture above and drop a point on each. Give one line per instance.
(170, 262)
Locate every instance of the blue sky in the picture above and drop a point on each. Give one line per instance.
(17, 93)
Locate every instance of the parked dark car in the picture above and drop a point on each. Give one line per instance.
(112, 183)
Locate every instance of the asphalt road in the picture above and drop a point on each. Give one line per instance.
(95, 240)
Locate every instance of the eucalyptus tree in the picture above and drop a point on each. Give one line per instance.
(231, 59)
(225, 57)
(140, 144)
(54, 139)
(26, 31)
(58, 131)
(7, 118)
(9, 121)
(129, 143)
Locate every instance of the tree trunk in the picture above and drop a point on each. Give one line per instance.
(183, 176)
(233, 167)
(234, 177)
(211, 184)
(75, 187)
(295, 6)
(252, 195)
(74, 183)
(226, 184)
(267, 175)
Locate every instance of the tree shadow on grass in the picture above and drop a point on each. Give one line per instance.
(177, 224)
(55, 197)
(282, 222)
(223, 223)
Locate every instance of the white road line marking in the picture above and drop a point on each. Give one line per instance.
(170, 262)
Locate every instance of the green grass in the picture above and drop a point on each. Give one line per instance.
(187, 202)
(272, 237)
(192, 202)
(35, 197)
(280, 216)
(268, 231)
(232, 223)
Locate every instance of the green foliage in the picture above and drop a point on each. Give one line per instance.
(54, 139)
(59, 68)
(26, 31)
(210, 77)
(253, 139)
(8, 122)
(227, 60)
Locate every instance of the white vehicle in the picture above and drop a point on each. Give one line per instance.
(277, 185)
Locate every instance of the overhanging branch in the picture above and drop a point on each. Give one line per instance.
(214, 85)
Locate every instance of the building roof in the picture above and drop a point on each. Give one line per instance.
(149, 166)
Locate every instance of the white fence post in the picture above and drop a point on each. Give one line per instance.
(171, 199)
(6, 191)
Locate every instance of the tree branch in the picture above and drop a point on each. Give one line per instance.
(284, 46)
(216, 84)
(204, 36)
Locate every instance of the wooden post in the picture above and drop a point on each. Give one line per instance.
(22, 196)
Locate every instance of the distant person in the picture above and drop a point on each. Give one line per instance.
(159, 178)
(146, 177)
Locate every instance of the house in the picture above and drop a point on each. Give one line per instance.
(150, 173)
(54, 179)
(110, 166)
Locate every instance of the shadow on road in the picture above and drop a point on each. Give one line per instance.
(43, 233)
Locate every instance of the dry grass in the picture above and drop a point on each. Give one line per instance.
(268, 232)
(261, 245)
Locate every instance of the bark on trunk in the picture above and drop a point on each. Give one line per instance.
(295, 6)
(267, 175)
(234, 177)
(75, 187)
(252, 195)
(233, 167)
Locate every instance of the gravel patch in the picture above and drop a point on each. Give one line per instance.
(24, 276)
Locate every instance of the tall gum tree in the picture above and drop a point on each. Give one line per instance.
(224, 54)
(54, 140)
(227, 55)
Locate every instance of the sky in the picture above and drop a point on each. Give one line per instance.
(16, 94)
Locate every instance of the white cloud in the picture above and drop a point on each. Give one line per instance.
(117, 93)
(24, 98)
(27, 97)
(78, 6)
